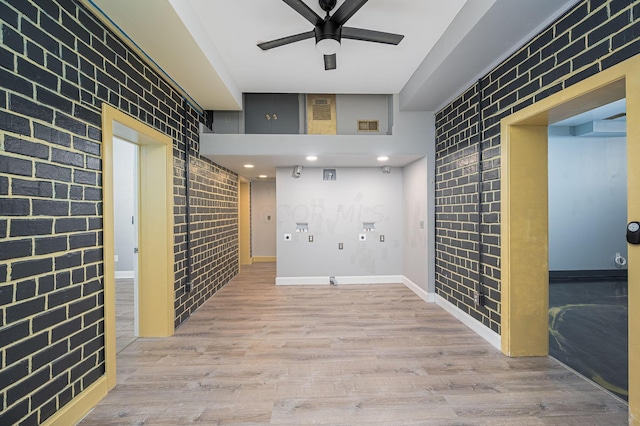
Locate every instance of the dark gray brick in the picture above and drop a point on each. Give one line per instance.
(83, 209)
(14, 207)
(19, 146)
(51, 135)
(50, 245)
(85, 177)
(14, 123)
(67, 157)
(15, 166)
(50, 171)
(26, 107)
(29, 227)
(70, 225)
(15, 249)
(32, 188)
(50, 208)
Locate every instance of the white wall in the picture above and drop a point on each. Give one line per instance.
(416, 255)
(587, 202)
(335, 211)
(124, 184)
(263, 218)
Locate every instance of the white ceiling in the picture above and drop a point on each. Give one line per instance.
(208, 48)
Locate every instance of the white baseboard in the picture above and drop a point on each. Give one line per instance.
(302, 280)
(124, 274)
(477, 327)
(419, 291)
(369, 279)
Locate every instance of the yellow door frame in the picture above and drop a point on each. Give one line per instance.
(524, 214)
(155, 240)
(244, 221)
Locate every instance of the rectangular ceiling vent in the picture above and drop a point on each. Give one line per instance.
(368, 125)
(321, 109)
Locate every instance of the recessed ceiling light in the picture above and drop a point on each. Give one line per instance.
(383, 158)
(248, 166)
(312, 158)
(262, 176)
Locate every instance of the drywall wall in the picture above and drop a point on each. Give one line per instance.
(335, 211)
(124, 201)
(351, 108)
(263, 219)
(415, 234)
(587, 202)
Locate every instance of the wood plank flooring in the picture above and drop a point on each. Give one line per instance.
(125, 331)
(259, 354)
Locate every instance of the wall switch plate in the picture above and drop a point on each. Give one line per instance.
(362, 237)
(310, 238)
(287, 237)
(382, 238)
(115, 257)
(340, 246)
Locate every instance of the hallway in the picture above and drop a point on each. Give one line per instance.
(259, 354)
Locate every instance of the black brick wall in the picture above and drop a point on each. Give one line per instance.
(58, 64)
(592, 36)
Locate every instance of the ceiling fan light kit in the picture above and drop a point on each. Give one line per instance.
(329, 31)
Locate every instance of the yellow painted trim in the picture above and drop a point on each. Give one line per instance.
(622, 80)
(155, 275)
(244, 221)
(264, 259)
(525, 228)
(79, 406)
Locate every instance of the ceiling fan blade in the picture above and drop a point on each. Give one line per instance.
(370, 35)
(286, 40)
(304, 10)
(330, 62)
(346, 11)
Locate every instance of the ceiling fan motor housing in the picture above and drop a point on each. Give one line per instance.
(328, 30)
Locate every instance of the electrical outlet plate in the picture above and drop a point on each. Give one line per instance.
(340, 246)
(310, 238)
(382, 238)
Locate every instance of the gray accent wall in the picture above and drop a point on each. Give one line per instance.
(334, 211)
(351, 108)
(587, 202)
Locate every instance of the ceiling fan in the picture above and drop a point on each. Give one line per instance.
(329, 31)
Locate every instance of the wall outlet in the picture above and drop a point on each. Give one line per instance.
(382, 238)
(287, 237)
(340, 246)
(310, 238)
(362, 237)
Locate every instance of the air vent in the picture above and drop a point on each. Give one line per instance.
(321, 109)
(368, 125)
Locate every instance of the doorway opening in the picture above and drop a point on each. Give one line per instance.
(588, 304)
(155, 304)
(524, 257)
(125, 222)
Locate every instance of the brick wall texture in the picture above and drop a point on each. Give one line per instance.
(592, 36)
(58, 65)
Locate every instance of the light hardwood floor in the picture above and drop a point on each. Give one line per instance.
(347, 355)
(125, 332)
